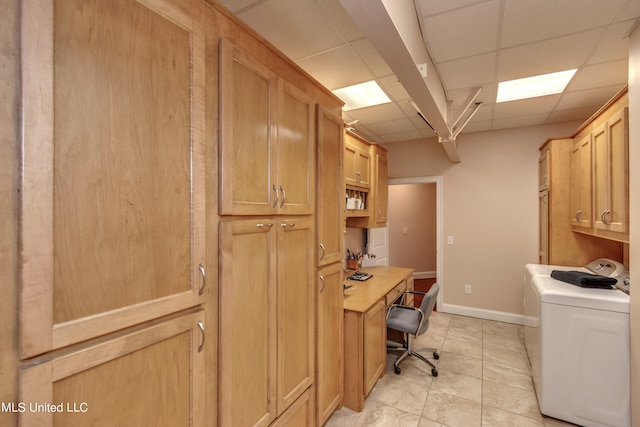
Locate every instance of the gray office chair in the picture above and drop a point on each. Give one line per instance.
(412, 321)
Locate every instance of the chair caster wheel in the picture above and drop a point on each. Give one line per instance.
(397, 370)
(434, 372)
(436, 355)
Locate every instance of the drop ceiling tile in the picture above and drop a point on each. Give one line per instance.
(548, 56)
(392, 127)
(528, 21)
(341, 19)
(477, 126)
(520, 121)
(597, 97)
(302, 21)
(371, 57)
(631, 10)
(532, 106)
(402, 136)
(379, 113)
(393, 88)
(579, 115)
(432, 7)
(613, 45)
(463, 32)
(599, 75)
(346, 68)
(459, 97)
(456, 75)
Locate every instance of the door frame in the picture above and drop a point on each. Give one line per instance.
(437, 180)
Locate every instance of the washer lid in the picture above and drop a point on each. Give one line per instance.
(554, 291)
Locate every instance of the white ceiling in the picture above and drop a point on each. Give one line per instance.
(473, 43)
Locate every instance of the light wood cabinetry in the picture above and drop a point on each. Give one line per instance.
(267, 139)
(330, 190)
(357, 161)
(375, 195)
(581, 183)
(266, 312)
(365, 330)
(611, 174)
(113, 220)
(152, 375)
(330, 340)
(374, 344)
(329, 377)
(600, 173)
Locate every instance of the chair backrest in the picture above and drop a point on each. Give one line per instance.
(427, 305)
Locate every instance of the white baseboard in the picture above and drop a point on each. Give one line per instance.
(480, 313)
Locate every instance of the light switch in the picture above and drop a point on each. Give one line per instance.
(450, 240)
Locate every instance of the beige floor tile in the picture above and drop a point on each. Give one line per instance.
(460, 385)
(459, 363)
(500, 328)
(507, 375)
(494, 417)
(394, 391)
(469, 323)
(387, 416)
(465, 334)
(464, 347)
(511, 399)
(502, 341)
(452, 411)
(504, 356)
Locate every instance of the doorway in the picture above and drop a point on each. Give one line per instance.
(414, 229)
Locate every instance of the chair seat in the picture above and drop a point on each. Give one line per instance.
(403, 320)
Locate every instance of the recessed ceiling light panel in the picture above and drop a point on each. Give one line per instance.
(531, 87)
(362, 95)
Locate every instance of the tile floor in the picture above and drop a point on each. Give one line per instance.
(484, 380)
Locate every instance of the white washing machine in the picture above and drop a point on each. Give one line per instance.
(577, 340)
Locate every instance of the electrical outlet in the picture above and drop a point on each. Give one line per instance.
(467, 289)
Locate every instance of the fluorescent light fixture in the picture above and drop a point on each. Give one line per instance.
(362, 95)
(531, 87)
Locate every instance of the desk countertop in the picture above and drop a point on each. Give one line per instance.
(364, 295)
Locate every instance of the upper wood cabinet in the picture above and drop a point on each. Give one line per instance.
(380, 196)
(600, 173)
(330, 190)
(145, 376)
(581, 183)
(611, 174)
(267, 139)
(113, 209)
(357, 162)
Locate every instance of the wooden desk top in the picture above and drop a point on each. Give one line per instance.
(363, 295)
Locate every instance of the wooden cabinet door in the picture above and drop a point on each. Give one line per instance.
(330, 341)
(247, 367)
(375, 327)
(611, 174)
(381, 195)
(581, 183)
(248, 100)
(152, 375)
(112, 216)
(363, 168)
(330, 189)
(295, 151)
(356, 162)
(295, 308)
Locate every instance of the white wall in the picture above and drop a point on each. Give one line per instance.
(490, 207)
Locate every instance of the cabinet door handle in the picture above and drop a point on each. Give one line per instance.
(275, 202)
(204, 279)
(201, 326)
(260, 225)
(604, 216)
(284, 196)
(288, 224)
(323, 283)
(578, 214)
(322, 256)
(357, 176)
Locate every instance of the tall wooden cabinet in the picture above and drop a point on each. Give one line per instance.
(113, 210)
(330, 274)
